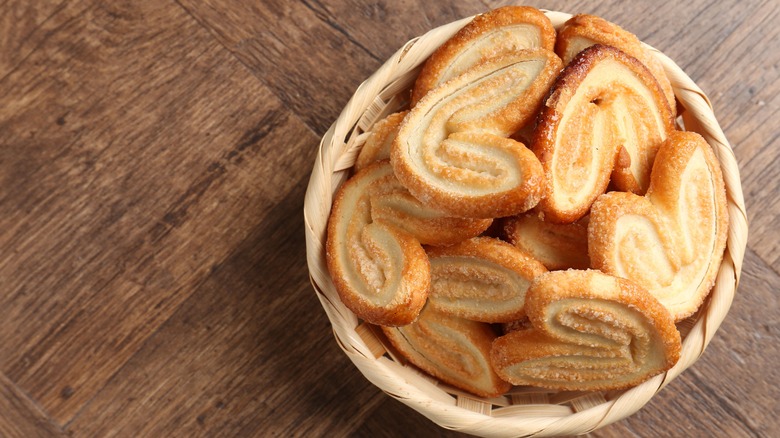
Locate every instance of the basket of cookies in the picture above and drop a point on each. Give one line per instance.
(525, 223)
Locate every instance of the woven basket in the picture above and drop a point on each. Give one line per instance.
(524, 411)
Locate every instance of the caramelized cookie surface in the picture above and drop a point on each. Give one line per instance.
(450, 151)
(582, 31)
(491, 34)
(455, 350)
(482, 279)
(557, 246)
(670, 241)
(378, 144)
(380, 272)
(606, 116)
(590, 331)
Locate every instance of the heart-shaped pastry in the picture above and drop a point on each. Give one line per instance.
(450, 151)
(582, 31)
(670, 241)
(605, 112)
(455, 350)
(380, 272)
(590, 331)
(482, 279)
(374, 250)
(501, 30)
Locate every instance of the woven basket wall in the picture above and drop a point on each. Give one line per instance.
(524, 411)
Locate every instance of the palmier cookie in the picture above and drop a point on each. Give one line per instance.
(454, 350)
(501, 30)
(582, 31)
(482, 279)
(449, 151)
(380, 272)
(605, 115)
(556, 246)
(590, 332)
(377, 145)
(670, 241)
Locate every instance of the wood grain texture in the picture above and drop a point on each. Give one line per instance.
(23, 26)
(20, 416)
(254, 348)
(102, 173)
(153, 160)
(291, 50)
(382, 27)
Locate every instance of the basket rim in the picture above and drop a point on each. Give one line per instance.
(334, 158)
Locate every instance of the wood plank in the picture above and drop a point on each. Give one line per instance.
(135, 152)
(382, 27)
(394, 419)
(152, 262)
(23, 26)
(20, 417)
(311, 65)
(250, 353)
(748, 110)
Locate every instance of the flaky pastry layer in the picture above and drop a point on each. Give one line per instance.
(380, 272)
(392, 204)
(450, 151)
(499, 31)
(670, 241)
(482, 279)
(590, 331)
(455, 350)
(582, 31)
(557, 246)
(606, 115)
(377, 145)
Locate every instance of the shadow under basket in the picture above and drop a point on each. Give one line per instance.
(524, 411)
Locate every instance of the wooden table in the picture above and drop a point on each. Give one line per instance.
(153, 161)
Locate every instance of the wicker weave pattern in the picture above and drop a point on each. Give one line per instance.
(526, 412)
